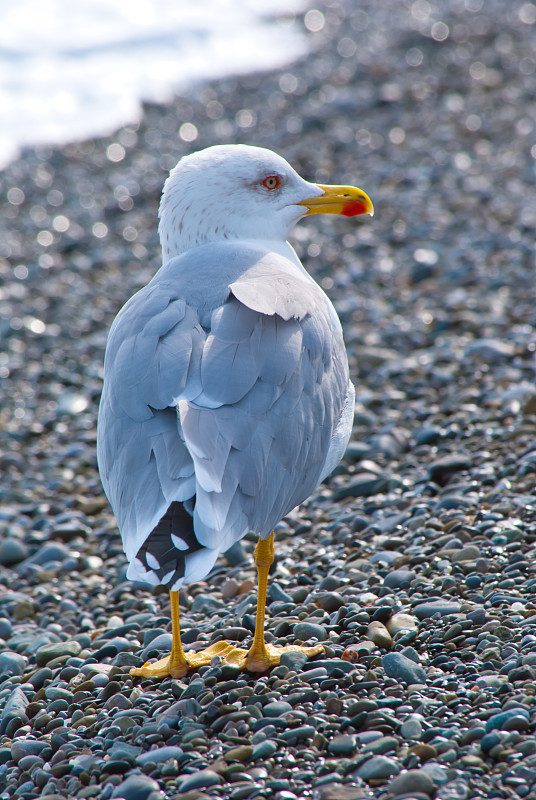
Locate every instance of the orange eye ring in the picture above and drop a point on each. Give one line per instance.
(271, 182)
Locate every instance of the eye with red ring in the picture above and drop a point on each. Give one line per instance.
(271, 182)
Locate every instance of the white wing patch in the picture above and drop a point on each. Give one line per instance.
(152, 561)
(179, 542)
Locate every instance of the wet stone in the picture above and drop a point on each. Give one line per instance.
(399, 578)
(138, 787)
(430, 609)
(27, 747)
(412, 781)
(276, 709)
(304, 631)
(377, 768)
(12, 551)
(411, 729)
(50, 652)
(402, 668)
(343, 745)
(12, 663)
(203, 779)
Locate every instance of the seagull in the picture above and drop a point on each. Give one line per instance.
(226, 398)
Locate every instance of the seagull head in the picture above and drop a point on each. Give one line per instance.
(235, 192)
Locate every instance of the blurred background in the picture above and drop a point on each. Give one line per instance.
(71, 70)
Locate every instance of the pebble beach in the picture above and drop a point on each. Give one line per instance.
(414, 562)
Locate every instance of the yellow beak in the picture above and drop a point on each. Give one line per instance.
(346, 200)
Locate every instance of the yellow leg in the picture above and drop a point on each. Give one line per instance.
(176, 664)
(260, 657)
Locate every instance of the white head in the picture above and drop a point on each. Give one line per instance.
(240, 192)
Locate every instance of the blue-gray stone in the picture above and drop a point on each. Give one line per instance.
(205, 603)
(310, 630)
(402, 668)
(202, 779)
(28, 763)
(188, 707)
(137, 787)
(294, 660)
(489, 740)
(427, 435)
(12, 551)
(5, 628)
(457, 789)
(437, 772)
(385, 556)
(342, 745)
(27, 747)
(331, 665)
(55, 650)
(48, 553)
(474, 581)
(194, 688)
(498, 721)
(276, 593)
(381, 745)
(57, 693)
(433, 607)
(377, 768)
(39, 677)
(276, 708)
(12, 663)
(411, 729)
(151, 634)
(443, 469)
(411, 653)
(264, 749)
(236, 554)
(299, 734)
(410, 782)
(399, 578)
(160, 755)
(14, 708)
(162, 642)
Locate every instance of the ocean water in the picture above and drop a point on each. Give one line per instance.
(70, 69)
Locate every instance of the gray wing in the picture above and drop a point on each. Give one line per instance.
(235, 404)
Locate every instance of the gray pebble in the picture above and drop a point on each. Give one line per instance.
(276, 708)
(413, 780)
(203, 779)
(12, 663)
(137, 787)
(14, 709)
(399, 578)
(51, 651)
(160, 754)
(342, 745)
(456, 789)
(402, 668)
(294, 660)
(162, 643)
(12, 551)
(264, 749)
(377, 768)
(310, 630)
(22, 747)
(48, 553)
(441, 607)
(411, 729)
(443, 469)
(504, 718)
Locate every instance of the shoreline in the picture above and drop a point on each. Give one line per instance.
(415, 558)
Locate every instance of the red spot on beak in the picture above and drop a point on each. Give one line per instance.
(354, 207)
